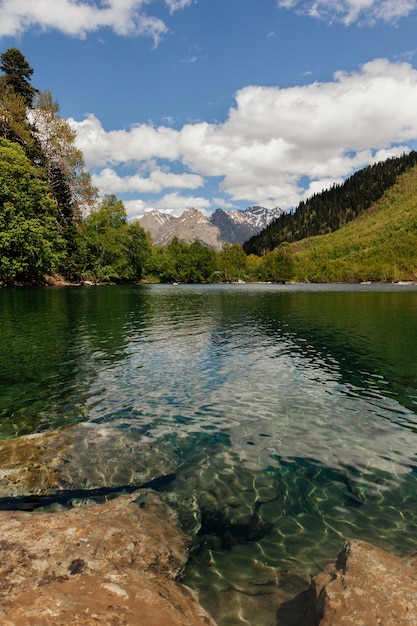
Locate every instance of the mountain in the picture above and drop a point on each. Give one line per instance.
(213, 231)
(155, 219)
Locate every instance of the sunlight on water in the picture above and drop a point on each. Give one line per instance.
(288, 412)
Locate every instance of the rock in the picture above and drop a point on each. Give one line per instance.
(84, 456)
(367, 587)
(111, 564)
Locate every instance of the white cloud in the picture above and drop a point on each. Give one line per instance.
(222, 203)
(174, 5)
(275, 143)
(139, 143)
(135, 208)
(78, 18)
(171, 203)
(108, 181)
(350, 11)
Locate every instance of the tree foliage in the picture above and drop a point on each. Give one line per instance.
(30, 243)
(112, 249)
(180, 262)
(64, 161)
(278, 265)
(232, 263)
(17, 75)
(13, 120)
(32, 119)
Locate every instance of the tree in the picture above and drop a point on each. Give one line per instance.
(114, 250)
(30, 243)
(203, 261)
(13, 121)
(278, 265)
(232, 262)
(16, 98)
(17, 75)
(63, 170)
(138, 249)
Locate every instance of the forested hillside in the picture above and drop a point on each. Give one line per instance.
(326, 212)
(380, 245)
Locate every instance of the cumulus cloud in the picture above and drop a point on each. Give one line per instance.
(277, 145)
(171, 203)
(108, 181)
(350, 11)
(139, 143)
(78, 18)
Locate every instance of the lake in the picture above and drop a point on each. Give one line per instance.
(289, 413)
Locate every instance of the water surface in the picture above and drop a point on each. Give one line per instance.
(290, 412)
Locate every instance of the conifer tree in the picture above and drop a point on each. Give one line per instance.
(17, 74)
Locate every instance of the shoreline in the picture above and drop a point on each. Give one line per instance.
(60, 281)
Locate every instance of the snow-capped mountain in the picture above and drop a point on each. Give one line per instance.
(213, 231)
(154, 218)
(255, 216)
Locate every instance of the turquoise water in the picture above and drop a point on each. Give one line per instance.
(289, 413)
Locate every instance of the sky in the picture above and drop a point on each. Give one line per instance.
(224, 103)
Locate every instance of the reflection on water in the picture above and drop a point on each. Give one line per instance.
(290, 410)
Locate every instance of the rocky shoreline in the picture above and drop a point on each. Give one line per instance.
(96, 555)
(120, 563)
(116, 563)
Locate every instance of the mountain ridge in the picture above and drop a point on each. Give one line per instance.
(212, 231)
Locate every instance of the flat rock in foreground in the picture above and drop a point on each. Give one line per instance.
(84, 456)
(113, 564)
(367, 587)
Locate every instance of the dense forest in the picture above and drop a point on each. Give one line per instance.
(54, 227)
(329, 210)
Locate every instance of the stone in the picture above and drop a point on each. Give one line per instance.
(112, 564)
(367, 587)
(82, 457)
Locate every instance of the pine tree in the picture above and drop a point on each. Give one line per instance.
(17, 75)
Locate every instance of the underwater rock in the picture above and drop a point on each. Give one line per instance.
(214, 498)
(85, 456)
(367, 586)
(113, 563)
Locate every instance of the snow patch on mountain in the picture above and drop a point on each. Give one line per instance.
(214, 231)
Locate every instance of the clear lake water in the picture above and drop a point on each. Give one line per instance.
(289, 413)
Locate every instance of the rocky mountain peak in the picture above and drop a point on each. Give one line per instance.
(213, 231)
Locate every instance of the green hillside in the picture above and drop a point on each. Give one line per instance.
(380, 245)
(331, 209)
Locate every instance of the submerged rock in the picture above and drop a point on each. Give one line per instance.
(367, 586)
(115, 564)
(214, 495)
(85, 456)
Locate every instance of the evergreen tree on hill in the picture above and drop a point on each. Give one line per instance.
(326, 212)
(17, 74)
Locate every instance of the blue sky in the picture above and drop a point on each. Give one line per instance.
(224, 103)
